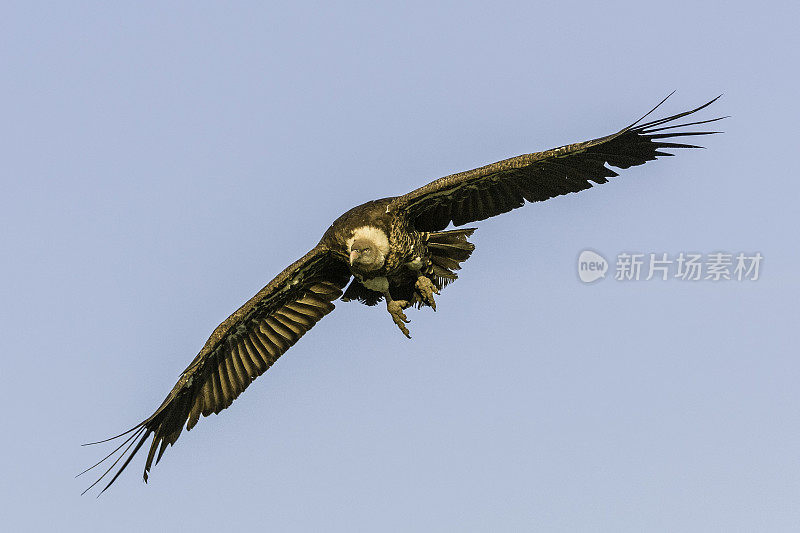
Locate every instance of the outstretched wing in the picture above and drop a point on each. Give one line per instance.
(242, 348)
(500, 187)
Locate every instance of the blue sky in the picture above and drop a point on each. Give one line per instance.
(162, 161)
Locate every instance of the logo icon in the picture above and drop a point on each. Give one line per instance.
(591, 266)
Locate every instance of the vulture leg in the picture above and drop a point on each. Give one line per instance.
(426, 290)
(395, 308)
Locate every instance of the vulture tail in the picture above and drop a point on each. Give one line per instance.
(447, 250)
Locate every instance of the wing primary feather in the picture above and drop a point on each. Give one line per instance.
(676, 145)
(115, 450)
(126, 463)
(152, 452)
(137, 426)
(676, 116)
(649, 112)
(687, 124)
(682, 134)
(129, 441)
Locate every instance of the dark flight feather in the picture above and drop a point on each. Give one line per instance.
(500, 187)
(241, 348)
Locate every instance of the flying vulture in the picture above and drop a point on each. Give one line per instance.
(394, 249)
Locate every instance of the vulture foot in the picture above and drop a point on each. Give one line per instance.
(395, 308)
(426, 290)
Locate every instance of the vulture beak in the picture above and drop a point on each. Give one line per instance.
(353, 256)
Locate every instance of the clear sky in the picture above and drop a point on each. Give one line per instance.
(162, 161)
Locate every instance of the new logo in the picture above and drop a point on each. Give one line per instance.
(591, 266)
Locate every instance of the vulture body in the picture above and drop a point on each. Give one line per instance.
(395, 249)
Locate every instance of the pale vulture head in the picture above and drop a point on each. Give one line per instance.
(368, 248)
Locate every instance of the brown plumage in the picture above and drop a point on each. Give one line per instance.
(395, 249)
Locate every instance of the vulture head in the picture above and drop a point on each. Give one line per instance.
(368, 248)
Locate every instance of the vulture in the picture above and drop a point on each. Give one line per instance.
(395, 249)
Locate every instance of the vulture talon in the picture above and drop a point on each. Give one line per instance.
(426, 290)
(395, 308)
